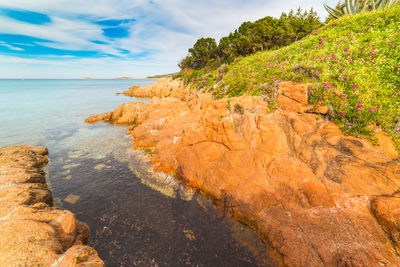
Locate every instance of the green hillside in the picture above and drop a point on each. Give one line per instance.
(353, 62)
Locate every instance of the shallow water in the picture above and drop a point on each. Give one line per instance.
(136, 217)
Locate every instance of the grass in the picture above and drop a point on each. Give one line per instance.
(353, 62)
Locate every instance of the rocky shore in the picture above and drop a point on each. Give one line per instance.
(314, 195)
(32, 231)
(164, 87)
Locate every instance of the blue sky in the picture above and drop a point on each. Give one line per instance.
(108, 38)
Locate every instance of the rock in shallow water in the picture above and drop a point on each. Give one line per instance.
(100, 167)
(72, 199)
(32, 233)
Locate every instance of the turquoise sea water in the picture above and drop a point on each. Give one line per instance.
(31, 109)
(137, 217)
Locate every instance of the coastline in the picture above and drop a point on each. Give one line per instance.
(294, 177)
(33, 231)
(118, 78)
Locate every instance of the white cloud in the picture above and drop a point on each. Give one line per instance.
(15, 48)
(63, 33)
(164, 29)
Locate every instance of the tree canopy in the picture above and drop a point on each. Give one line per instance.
(251, 37)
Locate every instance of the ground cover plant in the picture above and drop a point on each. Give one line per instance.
(353, 64)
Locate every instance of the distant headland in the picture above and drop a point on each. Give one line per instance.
(123, 78)
(117, 78)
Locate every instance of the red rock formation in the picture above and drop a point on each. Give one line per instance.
(292, 175)
(32, 233)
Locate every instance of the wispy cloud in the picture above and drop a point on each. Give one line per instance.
(11, 47)
(127, 35)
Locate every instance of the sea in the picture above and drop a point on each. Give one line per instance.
(136, 217)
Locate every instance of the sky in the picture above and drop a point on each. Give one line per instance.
(107, 38)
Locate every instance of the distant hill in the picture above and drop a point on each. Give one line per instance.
(123, 78)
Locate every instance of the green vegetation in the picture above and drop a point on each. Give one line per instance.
(250, 37)
(353, 62)
(356, 6)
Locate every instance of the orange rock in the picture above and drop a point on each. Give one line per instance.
(387, 212)
(164, 87)
(81, 256)
(32, 233)
(297, 92)
(302, 184)
(294, 97)
(65, 227)
(386, 145)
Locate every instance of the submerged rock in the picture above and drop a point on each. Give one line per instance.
(72, 199)
(32, 232)
(71, 166)
(100, 167)
(316, 196)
